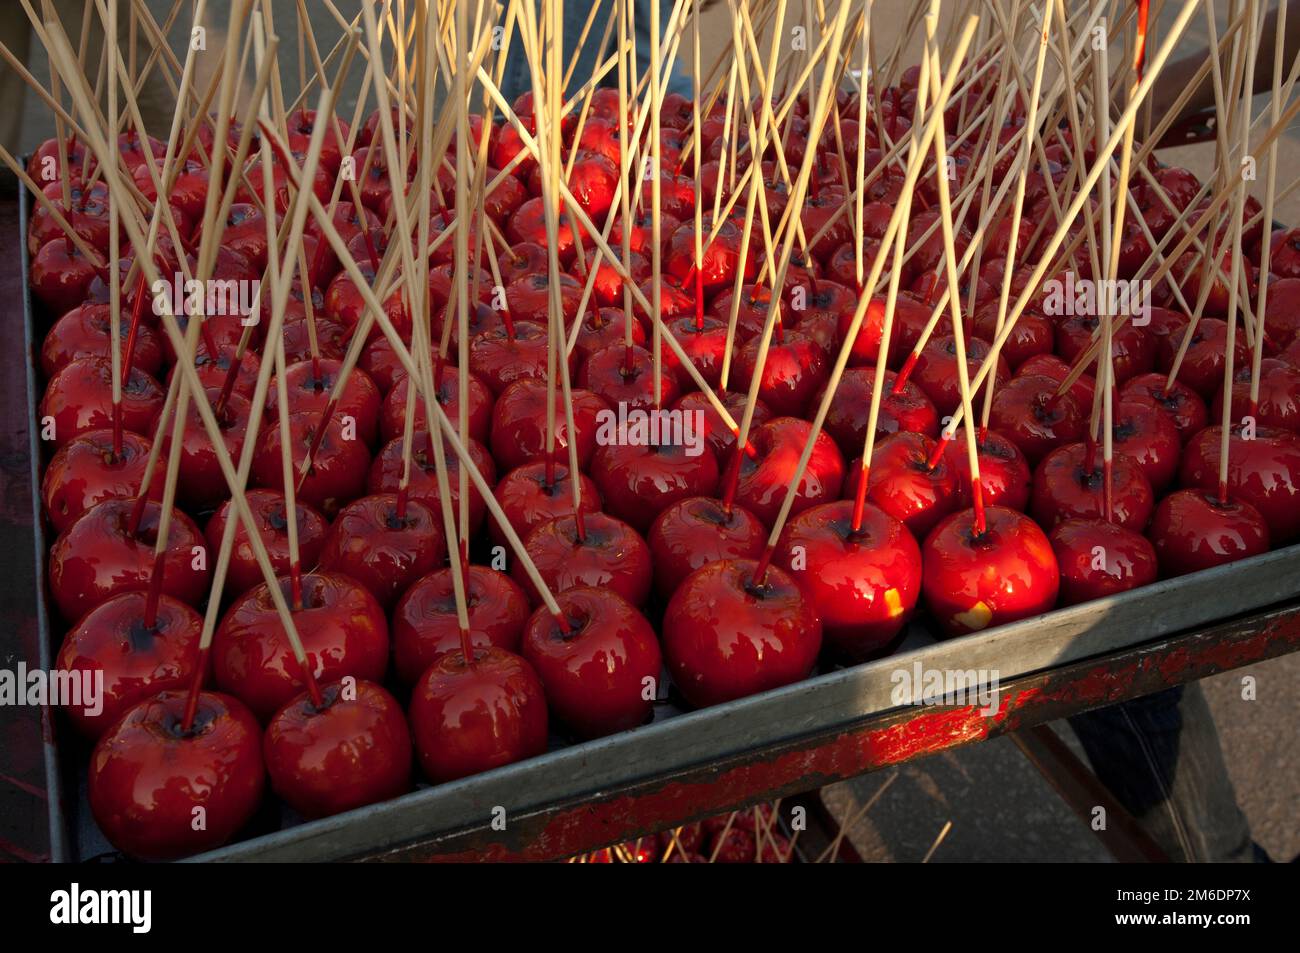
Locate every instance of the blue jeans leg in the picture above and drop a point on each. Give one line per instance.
(1160, 757)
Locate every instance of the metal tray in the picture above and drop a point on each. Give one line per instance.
(599, 772)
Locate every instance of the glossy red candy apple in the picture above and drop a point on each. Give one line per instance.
(765, 477)
(201, 484)
(310, 393)
(135, 661)
(639, 481)
(1146, 435)
(1049, 365)
(972, 582)
(1069, 485)
(609, 554)
(1029, 412)
(271, 516)
(1099, 558)
(528, 497)
(721, 438)
(518, 424)
(796, 367)
(1180, 404)
(602, 327)
(386, 474)
(87, 470)
(148, 776)
(500, 359)
(338, 468)
(601, 674)
(846, 421)
(1004, 474)
(98, 556)
(342, 629)
(1203, 364)
(699, 530)
(904, 484)
(425, 624)
(1133, 349)
(727, 635)
(705, 343)
(384, 548)
(1194, 530)
(85, 331)
(607, 374)
(1032, 334)
(936, 369)
(60, 276)
(1263, 471)
(1279, 396)
(354, 750)
(469, 718)
(864, 583)
(79, 398)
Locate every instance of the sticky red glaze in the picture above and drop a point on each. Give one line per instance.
(270, 514)
(610, 555)
(846, 420)
(1004, 474)
(96, 557)
(638, 482)
(699, 530)
(338, 469)
(1192, 530)
(341, 626)
(79, 399)
(863, 584)
(528, 500)
(1027, 410)
(724, 638)
(936, 369)
(765, 478)
(1146, 435)
(902, 484)
(86, 471)
(425, 624)
(1182, 405)
(146, 777)
(1263, 471)
(519, 424)
(1098, 559)
(353, 751)
(796, 368)
(383, 551)
(311, 394)
(972, 583)
(1069, 486)
(605, 374)
(602, 675)
(86, 331)
(135, 662)
(471, 718)
(388, 466)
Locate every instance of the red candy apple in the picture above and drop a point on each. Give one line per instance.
(863, 583)
(601, 673)
(354, 750)
(468, 718)
(727, 635)
(976, 581)
(148, 776)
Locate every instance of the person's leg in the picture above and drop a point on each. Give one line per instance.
(678, 81)
(1161, 759)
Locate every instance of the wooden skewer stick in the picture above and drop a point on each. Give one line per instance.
(1270, 197)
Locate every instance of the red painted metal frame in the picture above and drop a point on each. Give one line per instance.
(896, 737)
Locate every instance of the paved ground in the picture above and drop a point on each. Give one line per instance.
(1000, 808)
